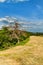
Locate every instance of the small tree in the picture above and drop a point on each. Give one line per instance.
(16, 31)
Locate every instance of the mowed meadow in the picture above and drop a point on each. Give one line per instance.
(30, 53)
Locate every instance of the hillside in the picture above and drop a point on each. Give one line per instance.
(11, 36)
(29, 54)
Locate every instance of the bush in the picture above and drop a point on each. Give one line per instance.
(8, 38)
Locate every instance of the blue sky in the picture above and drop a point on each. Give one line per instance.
(31, 10)
(23, 8)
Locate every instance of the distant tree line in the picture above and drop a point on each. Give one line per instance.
(36, 33)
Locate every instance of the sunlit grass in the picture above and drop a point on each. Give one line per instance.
(22, 42)
(28, 53)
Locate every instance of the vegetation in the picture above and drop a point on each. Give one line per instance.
(35, 33)
(12, 36)
(29, 54)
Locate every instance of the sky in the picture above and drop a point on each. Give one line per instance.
(30, 10)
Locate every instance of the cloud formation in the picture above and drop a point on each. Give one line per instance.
(21, 0)
(8, 1)
(35, 25)
(2, 0)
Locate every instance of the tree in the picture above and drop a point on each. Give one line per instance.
(16, 31)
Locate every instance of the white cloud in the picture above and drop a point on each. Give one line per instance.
(1, 19)
(26, 25)
(21, 0)
(14, 1)
(2, 0)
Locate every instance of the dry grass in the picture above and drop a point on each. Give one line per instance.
(29, 54)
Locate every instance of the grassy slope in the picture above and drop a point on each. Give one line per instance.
(29, 54)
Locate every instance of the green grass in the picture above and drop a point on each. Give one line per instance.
(17, 44)
(22, 42)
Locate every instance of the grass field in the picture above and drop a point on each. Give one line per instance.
(29, 54)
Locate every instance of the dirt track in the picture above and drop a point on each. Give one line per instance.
(29, 54)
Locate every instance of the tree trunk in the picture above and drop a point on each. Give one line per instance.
(18, 41)
(16, 36)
